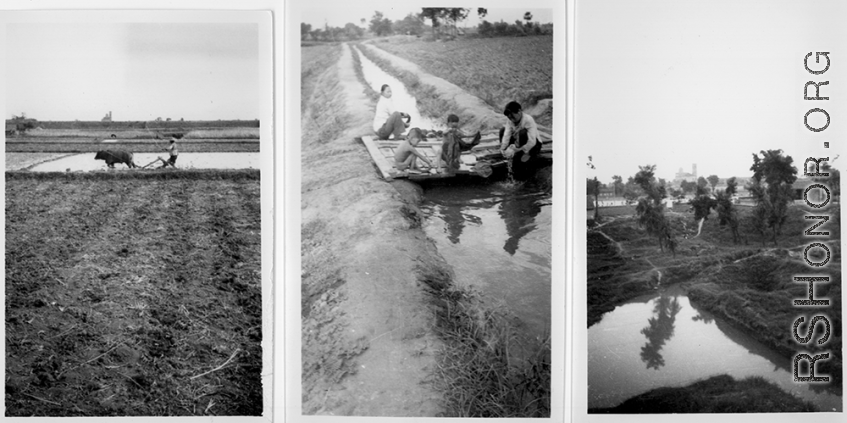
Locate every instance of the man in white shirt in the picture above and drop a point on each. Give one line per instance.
(388, 121)
(521, 131)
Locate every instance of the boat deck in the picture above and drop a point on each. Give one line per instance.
(488, 150)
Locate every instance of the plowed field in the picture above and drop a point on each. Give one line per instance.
(133, 295)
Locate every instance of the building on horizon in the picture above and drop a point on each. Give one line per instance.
(683, 176)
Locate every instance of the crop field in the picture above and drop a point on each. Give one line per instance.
(485, 67)
(133, 294)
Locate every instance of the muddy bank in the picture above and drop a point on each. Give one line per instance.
(718, 394)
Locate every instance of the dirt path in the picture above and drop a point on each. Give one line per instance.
(361, 242)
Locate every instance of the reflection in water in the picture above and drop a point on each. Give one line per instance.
(659, 331)
(684, 345)
(471, 223)
(519, 215)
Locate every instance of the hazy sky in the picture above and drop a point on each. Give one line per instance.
(317, 13)
(674, 83)
(139, 71)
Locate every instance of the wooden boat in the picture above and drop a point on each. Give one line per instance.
(487, 151)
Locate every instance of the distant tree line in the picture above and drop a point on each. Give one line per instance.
(443, 23)
(770, 188)
(80, 124)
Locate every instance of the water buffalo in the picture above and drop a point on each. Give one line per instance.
(112, 157)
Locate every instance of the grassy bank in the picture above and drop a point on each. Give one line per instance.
(479, 66)
(133, 299)
(430, 103)
(718, 394)
(478, 370)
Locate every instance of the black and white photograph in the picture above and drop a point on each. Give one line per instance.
(708, 139)
(429, 278)
(139, 229)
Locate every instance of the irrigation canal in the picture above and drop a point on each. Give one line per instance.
(662, 340)
(497, 238)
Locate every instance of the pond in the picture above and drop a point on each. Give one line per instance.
(661, 340)
(85, 162)
(403, 101)
(497, 238)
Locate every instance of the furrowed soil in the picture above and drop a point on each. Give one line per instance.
(133, 295)
(369, 343)
(749, 285)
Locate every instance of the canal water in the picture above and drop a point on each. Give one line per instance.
(495, 235)
(403, 101)
(497, 238)
(661, 340)
(86, 163)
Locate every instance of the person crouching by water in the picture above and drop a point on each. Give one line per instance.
(387, 120)
(406, 156)
(174, 152)
(522, 132)
(452, 146)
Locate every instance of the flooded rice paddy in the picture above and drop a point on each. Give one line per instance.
(497, 238)
(661, 340)
(85, 162)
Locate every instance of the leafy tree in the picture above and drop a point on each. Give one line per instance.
(380, 25)
(452, 14)
(702, 182)
(434, 14)
(457, 14)
(411, 24)
(651, 210)
(353, 32)
(305, 29)
(727, 213)
(713, 181)
(703, 205)
(617, 182)
(481, 11)
(771, 186)
(687, 186)
(593, 188)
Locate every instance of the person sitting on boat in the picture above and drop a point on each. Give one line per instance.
(453, 145)
(522, 132)
(406, 156)
(387, 120)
